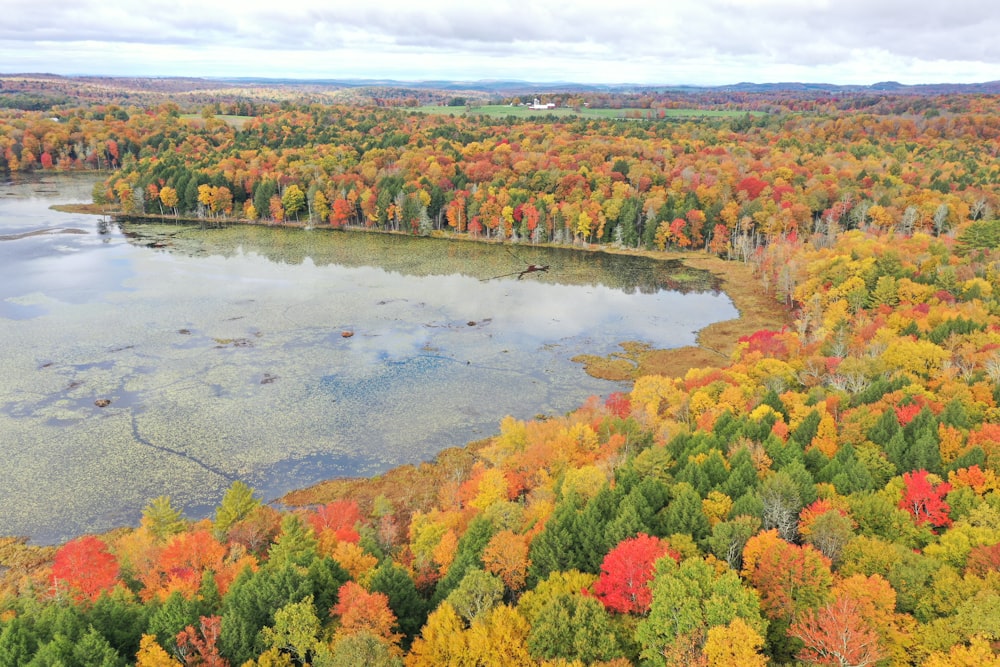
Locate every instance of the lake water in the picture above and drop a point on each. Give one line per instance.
(222, 355)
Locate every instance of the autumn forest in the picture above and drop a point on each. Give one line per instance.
(828, 493)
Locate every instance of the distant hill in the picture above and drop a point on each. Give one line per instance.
(515, 86)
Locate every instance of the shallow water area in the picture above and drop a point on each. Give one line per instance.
(223, 355)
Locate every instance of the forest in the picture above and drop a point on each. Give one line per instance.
(828, 494)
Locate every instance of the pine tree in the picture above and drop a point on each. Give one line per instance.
(161, 519)
(296, 545)
(404, 599)
(684, 514)
(237, 503)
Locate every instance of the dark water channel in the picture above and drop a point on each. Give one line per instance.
(223, 356)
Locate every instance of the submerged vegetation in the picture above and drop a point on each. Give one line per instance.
(835, 477)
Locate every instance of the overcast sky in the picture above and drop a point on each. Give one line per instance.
(706, 42)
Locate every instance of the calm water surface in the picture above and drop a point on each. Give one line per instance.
(222, 354)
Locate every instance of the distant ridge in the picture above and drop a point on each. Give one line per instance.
(510, 87)
(513, 86)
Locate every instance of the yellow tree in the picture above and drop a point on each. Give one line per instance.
(168, 196)
(499, 639)
(152, 654)
(441, 642)
(734, 645)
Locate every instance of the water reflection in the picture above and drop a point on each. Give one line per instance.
(222, 355)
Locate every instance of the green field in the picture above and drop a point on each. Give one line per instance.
(501, 110)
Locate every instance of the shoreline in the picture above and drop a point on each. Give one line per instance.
(714, 346)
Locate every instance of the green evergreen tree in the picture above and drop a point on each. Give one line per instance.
(684, 514)
(956, 415)
(554, 550)
(176, 613)
(262, 197)
(17, 643)
(121, 620)
(325, 577)
(208, 595)
(404, 599)
(237, 503)
(93, 650)
(295, 545)
(161, 519)
(884, 429)
(742, 474)
(189, 197)
(590, 527)
(250, 604)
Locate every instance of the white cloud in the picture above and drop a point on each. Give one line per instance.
(683, 41)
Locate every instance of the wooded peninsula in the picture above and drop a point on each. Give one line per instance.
(816, 484)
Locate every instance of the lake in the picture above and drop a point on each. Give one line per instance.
(223, 354)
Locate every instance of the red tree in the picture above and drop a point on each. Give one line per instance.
(340, 516)
(983, 560)
(619, 405)
(341, 213)
(198, 647)
(626, 572)
(924, 500)
(86, 566)
(837, 634)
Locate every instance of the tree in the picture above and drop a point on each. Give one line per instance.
(734, 645)
(85, 566)
(361, 611)
(506, 555)
(152, 654)
(572, 626)
(341, 517)
(341, 213)
(362, 648)
(477, 593)
(441, 642)
(295, 631)
(684, 514)
(293, 200)
(176, 613)
(789, 578)
(404, 600)
(782, 503)
(198, 645)
(168, 196)
(161, 519)
(498, 639)
(837, 634)
(295, 545)
(237, 503)
(623, 585)
(93, 649)
(729, 537)
(689, 599)
(925, 500)
(250, 605)
(320, 206)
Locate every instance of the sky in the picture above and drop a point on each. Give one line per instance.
(665, 42)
